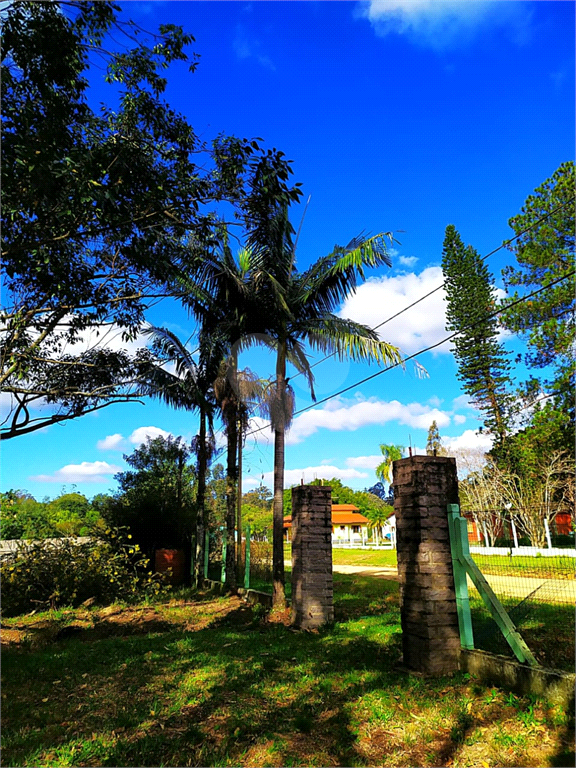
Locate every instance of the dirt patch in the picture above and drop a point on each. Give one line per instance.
(114, 621)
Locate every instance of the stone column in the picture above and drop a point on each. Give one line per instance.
(312, 591)
(423, 487)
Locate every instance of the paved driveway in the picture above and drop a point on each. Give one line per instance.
(546, 590)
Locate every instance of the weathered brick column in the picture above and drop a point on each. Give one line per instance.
(312, 590)
(423, 487)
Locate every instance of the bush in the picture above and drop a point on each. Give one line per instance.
(46, 574)
(261, 560)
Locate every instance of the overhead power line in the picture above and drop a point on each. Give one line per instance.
(426, 349)
(438, 288)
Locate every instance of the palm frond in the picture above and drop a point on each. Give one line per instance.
(168, 346)
(331, 279)
(279, 407)
(349, 339)
(297, 357)
(171, 389)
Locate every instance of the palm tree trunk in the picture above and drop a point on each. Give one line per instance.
(201, 511)
(278, 593)
(231, 480)
(239, 497)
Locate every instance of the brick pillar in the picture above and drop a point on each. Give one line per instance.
(423, 487)
(312, 592)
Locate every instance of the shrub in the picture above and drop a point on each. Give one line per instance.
(52, 574)
(261, 560)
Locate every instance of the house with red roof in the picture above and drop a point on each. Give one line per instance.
(347, 524)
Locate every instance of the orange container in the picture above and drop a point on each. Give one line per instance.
(174, 559)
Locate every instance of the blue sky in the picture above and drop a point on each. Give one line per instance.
(398, 115)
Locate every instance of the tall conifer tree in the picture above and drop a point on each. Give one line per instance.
(483, 365)
(434, 442)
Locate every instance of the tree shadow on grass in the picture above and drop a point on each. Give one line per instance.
(241, 709)
(235, 691)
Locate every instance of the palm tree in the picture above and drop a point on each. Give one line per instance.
(235, 391)
(391, 453)
(377, 517)
(190, 388)
(301, 309)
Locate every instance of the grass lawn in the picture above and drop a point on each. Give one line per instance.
(368, 557)
(212, 682)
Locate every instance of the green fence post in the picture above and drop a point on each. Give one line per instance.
(497, 611)
(206, 552)
(460, 583)
(247, 560)
(223, 574)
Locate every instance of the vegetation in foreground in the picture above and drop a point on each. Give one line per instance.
(208, 681)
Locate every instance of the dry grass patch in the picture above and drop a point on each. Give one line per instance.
(213, 683)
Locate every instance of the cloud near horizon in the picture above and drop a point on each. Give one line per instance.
(118, 442)
(324, 471)
(86, 472)
(469, 440)
(341, 415)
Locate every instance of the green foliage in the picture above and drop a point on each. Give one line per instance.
(97, 203)
(366, 502)
(483, 365)
(434, 442)
(549, 432)
(261, 561)
(216, 496)
(155, 500)
(543, 254)
(391, 453)
(54, 574)
(260, 497)
(72, 514)
(259, 519)
(23, 517)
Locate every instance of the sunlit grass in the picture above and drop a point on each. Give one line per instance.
(210, 683)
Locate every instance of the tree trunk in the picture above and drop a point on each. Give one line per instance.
(278, 593)
(201, 512)
(239, 497)
(231, 480)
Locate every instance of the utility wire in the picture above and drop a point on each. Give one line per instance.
(426, 349)
(434, 290)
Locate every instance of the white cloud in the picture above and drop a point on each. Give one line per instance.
(469, 440)
(459, 418)
(441, 24)
(86, 472)
(365, 462)
(111, 443)
(381, 297)
(139, 435)
(247, 47)
(104, 337)
(408, 261)
(294, 476)
(462, 401)
(342, 415)
(259, 431)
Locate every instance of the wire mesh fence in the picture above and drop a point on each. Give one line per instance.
(259, 555)
(536, 585)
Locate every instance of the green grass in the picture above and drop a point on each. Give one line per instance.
(547, 628)
(527, 567)
(502, 565)
(208, 682)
